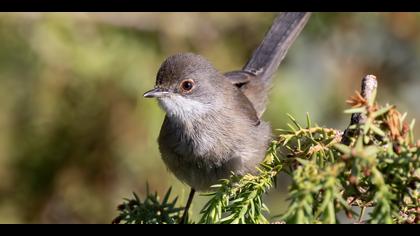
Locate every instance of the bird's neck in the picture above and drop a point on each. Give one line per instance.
(186, 111)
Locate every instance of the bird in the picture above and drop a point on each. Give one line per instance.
(213, 124)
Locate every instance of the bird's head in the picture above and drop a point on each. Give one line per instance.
(187, 86)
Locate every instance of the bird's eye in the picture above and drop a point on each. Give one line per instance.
(187, 85)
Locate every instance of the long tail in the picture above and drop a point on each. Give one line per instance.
(272, 50)
(254, 79)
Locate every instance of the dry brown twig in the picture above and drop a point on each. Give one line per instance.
(369, 85)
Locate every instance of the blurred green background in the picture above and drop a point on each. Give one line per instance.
(76, 135)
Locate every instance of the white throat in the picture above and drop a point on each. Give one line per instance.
(184, 109)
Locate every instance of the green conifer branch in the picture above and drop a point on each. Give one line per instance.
(374, 165)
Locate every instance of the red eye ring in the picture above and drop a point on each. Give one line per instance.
(187, 85)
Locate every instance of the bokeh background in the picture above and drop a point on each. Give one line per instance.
(76, 135)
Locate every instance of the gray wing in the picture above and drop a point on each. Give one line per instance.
(255, 77)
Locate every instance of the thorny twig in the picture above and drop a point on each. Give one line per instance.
(369, 85)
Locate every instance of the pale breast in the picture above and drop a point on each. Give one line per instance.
(200, 157)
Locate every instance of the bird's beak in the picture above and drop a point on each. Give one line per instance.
(155, 93)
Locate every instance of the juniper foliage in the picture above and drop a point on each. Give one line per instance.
(376, 168)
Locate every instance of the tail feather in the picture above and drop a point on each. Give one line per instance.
(272, 50)
(254, 79)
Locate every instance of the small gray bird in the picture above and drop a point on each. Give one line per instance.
(213, 123)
